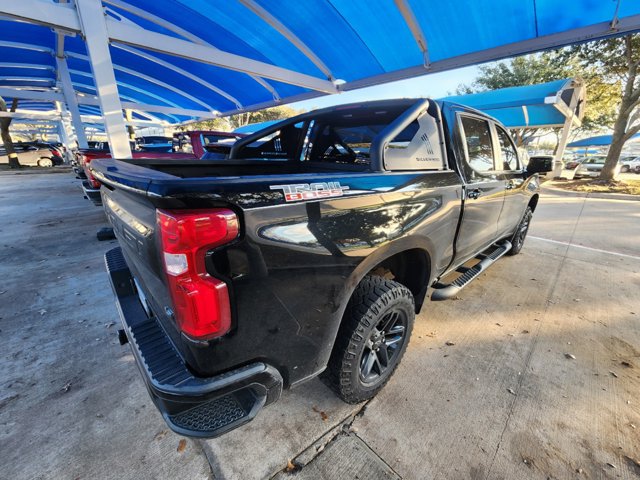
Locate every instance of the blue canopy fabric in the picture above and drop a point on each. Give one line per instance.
(254, 127)
(598, 141)
(360, 42)
(519, 106)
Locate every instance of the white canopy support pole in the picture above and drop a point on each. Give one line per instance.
(143, 107)
(566, 129)
(412, 22)
(68, 136)
(44, 96)
(128, 116)
(138, 12)
(97, 120)
(94, 29)
(189, 75)
(277, 25)
(71, 101)
(562, 144)
(22, 115)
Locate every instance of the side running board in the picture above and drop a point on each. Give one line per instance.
(468, 274)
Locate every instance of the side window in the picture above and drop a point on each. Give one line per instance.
(509, 154)
(477, 135)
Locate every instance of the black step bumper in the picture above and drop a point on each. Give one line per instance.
(91, 193)
(191, 405)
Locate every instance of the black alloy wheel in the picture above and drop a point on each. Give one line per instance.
(384, 343)
(517, 241)
(372, 339)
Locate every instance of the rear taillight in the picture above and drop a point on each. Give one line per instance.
(54, 152)
(200, 301)
(92, 180)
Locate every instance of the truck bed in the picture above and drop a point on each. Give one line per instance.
(231, 168)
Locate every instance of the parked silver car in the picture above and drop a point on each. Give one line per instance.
(590, 167)
(630, 164)
(41, 155)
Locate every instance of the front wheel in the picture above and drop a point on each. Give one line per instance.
(45, 162)
(372, 339)
(517, 241)
(624, 169)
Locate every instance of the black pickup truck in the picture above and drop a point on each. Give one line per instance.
(307, 251)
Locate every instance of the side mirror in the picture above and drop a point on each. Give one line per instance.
(540, 164)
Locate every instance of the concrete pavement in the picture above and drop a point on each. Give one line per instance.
(507, 400)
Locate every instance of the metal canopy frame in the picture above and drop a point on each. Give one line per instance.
(101, 24)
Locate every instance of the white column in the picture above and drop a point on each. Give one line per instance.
(566, 129)
(94, 29)
(71, 101)
(67, 133)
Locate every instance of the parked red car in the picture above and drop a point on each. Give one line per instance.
(186, 145)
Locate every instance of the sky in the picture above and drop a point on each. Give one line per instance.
(434, 85)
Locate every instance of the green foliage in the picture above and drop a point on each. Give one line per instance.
(616, 61)
(526, 70)
(232, 122)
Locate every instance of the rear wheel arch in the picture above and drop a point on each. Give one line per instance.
(408, 259)
(411, 268)
(412, 245)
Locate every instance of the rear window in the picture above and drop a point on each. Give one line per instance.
(342, 136)
(342, 144)
(209, 139)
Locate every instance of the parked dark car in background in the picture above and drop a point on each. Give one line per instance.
(573, 164)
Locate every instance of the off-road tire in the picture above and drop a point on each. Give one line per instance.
(375, 300)
(517, 241)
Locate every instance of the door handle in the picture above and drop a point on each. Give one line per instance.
(473, 194)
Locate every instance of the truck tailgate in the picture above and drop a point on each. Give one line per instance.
(133, 218)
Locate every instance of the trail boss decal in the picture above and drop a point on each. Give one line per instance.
(310, 191)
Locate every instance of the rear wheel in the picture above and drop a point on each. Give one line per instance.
(624, 169)
(372, 339)
(45, 162)
(517, 241)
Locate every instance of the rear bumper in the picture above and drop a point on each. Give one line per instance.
(79, 172)
(191, 405)
(91, 193)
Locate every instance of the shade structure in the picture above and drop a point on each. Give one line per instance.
(598, 141)
(544, 105)
(178, 60)
(254, 127)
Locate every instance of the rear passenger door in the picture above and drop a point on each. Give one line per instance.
(484, 190)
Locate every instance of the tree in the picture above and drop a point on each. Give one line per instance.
(4, 132)
(546, 67)
(616, 61)
(241, 119)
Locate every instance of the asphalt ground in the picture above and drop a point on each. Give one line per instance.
(541, 377)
